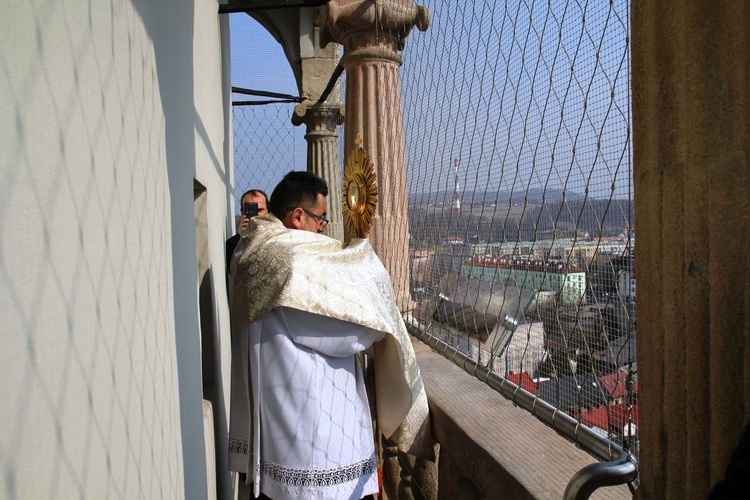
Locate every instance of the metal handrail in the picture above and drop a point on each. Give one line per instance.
(616, 468)
(595, 476)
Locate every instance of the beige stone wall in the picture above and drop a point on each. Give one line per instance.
(692, 186)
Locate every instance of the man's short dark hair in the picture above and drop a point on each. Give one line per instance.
(254, 192)
(296, 189)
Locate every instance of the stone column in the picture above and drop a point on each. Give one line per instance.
(372, 33)
(323, 155)
(691, 164)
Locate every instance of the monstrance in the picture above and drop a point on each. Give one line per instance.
(360, 192)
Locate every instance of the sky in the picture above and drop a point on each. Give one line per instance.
(266, 143)
(527, 95)
(502, 86)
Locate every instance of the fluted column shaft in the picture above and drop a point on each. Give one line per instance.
(691, 139)
(323, 156)
(372, 78)
(371, 35)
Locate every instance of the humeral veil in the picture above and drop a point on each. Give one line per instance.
(292, 283)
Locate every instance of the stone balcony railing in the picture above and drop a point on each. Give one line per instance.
(491, 448)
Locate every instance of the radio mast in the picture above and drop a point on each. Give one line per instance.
(457, 197)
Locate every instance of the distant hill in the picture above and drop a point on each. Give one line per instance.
(534, 196)
(590, 215)
(519, 221)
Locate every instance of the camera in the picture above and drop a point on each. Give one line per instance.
(250, 209)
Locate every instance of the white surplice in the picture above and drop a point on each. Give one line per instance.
(310, 418)
(303, 306)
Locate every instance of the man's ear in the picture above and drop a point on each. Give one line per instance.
(295, 219)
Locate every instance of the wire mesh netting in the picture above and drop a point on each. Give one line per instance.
(266, 144)
(518, 148)
(518, 155)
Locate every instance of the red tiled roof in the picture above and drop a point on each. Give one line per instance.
(616, 384)
(617, 417)
(523, 380)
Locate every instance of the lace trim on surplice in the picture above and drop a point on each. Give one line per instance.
(297, 477)
(238, 446)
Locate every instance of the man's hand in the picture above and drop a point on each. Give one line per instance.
(243, 225)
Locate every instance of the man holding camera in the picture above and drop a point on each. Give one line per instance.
(253, 202)
(304, 306)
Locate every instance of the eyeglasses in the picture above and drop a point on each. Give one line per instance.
(320, 218)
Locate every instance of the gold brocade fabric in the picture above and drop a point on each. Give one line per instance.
(317, 274)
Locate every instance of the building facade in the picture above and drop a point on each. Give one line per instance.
(567, 281)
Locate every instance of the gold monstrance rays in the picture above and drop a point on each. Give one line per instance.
(360, 192)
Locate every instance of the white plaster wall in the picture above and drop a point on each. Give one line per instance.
(213, 152)
(103, 130)
(524, 352)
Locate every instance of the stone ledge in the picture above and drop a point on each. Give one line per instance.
(504, 451)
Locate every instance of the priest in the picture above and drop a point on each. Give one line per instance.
(303, 307)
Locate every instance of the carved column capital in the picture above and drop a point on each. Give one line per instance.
(322, 136)
(311, 113)
(392, 20)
